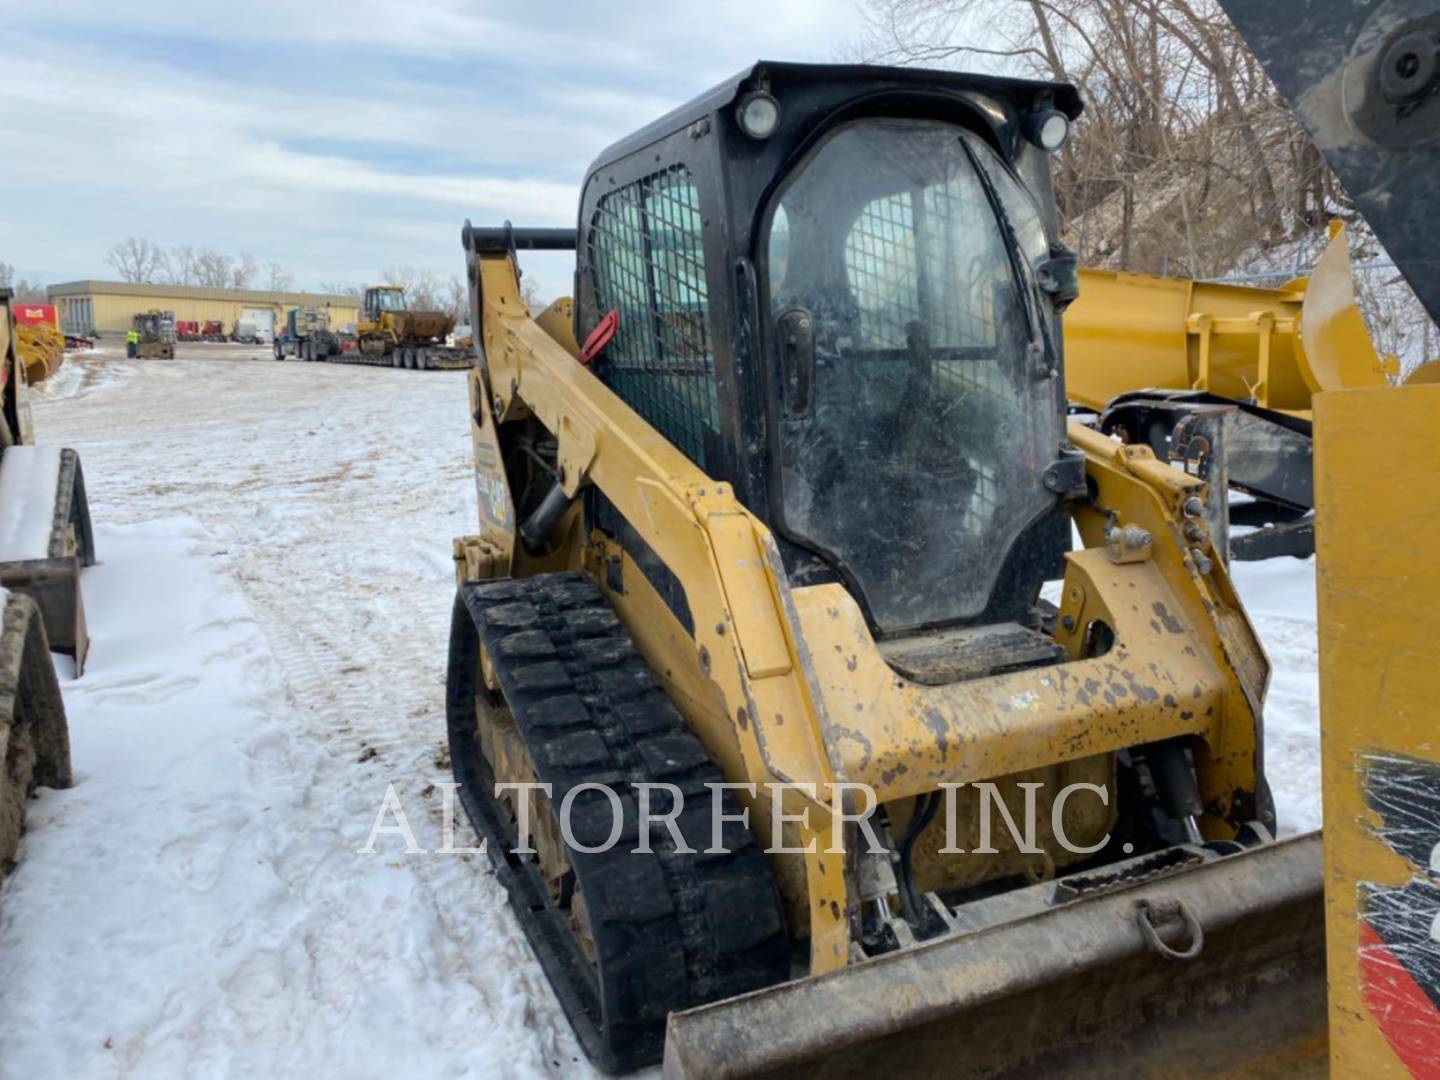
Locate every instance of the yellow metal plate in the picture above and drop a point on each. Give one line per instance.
(749, 595)
(1379, 605)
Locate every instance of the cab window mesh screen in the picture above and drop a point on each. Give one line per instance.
(901, 283)
(649, 266)
(896, 286)
(920, 462)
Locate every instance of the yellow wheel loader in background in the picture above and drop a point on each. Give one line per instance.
(45, 539)
(790, 520)
(391, 334)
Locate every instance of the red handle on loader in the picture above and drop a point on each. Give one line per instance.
(600, 337)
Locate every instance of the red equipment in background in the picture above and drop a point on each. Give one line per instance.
(36, 314)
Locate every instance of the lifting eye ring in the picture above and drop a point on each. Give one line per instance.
(1167, 912)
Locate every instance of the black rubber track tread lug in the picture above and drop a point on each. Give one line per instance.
(673, 929)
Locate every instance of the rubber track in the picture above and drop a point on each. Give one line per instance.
(672, 929)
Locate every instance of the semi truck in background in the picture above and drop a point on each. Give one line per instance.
(45, 541)
(308, 335)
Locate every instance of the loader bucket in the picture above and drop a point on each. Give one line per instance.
(423, 325)
(1076, 987)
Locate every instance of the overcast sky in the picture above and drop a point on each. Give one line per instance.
(338, 138)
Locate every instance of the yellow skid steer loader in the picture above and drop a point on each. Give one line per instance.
(798, 734)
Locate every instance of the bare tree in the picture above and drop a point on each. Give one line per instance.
(243, 271)
(210, 269)
(277, 278)
(341, 288)
(25, 290)
(423, 288)
(454, 297)
(136, 259)
(183, 267)
(1185, 157)
(530, 294)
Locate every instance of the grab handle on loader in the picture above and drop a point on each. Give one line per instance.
(496, 240)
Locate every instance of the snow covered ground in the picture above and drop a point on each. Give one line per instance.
(268, 630)
(268, 624)
(1279, 595)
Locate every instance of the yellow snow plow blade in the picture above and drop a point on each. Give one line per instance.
(1212, 968)
(1276, 347)
(1338, 353)
(41, 349)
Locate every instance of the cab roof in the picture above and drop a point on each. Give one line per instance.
(867, 77)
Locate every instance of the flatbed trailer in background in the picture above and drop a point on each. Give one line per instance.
(419, 358)
(391, 334)
(388, 335)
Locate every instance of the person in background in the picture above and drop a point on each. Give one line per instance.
(132, 343)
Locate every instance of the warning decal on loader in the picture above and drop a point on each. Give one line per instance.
(1399, 933)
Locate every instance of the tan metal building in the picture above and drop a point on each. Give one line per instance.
(107, 307)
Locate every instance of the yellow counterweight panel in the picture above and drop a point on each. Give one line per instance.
(1378, 584)
(1276, 346)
